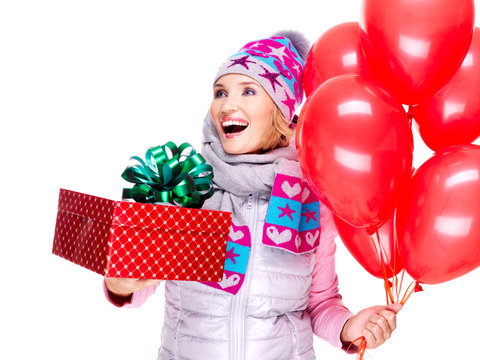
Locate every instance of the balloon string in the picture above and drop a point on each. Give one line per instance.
(396, 248)
(388, 284)
(410, 115)
(361, 348)
(392, 269)
(399, 285)
(409, 291)
(401, 281)
(381, 252)
(396, 283)
(391, 296)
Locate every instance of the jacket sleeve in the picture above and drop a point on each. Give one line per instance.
(134, 301)
(325, 306)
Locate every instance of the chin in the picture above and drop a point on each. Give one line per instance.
(231, 151)
(238, 150)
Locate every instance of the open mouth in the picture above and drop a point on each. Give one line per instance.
(232, 127)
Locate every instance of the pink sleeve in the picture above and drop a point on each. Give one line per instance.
(136, 300)
(325, 305)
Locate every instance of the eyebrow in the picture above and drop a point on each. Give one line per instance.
(242, 83)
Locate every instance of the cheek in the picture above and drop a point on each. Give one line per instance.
(267, 109)
(218, 129)
(213, 108)
(262, 112)
(213, 114)
(265, 120)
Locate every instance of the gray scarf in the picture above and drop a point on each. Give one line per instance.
(236, 176)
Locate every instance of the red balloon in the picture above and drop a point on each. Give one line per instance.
(452, 116)
(438, 220)
(355, 147)
(338, 51)
(415, 47)
(378, 258)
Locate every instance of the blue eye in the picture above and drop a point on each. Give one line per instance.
(249, 92)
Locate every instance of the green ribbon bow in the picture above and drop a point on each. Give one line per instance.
(178, 176)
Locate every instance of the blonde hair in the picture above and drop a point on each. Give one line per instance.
(278, 134)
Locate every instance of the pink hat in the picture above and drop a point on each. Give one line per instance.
(277, 63)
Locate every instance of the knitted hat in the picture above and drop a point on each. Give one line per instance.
(277, 63)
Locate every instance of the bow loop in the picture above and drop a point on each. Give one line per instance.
(177, 175)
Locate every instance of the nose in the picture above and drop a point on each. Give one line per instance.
(229, 105)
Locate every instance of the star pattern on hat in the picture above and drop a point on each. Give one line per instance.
(241, 61)
(255, 44)
(292, 53)
(257, 53)
(278, 52)
(272, 76)
(289, 102)
(296, 68)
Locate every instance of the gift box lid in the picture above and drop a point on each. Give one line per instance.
(133, 214)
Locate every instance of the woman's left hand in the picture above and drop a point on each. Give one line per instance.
(375, 324)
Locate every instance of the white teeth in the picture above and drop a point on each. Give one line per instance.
(234, 122)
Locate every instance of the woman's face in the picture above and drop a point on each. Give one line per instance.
(242, 112)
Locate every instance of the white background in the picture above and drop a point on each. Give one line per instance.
(84, 85)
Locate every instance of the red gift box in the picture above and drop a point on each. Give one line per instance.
(142, 241)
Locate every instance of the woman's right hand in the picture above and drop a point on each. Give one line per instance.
(126, 287)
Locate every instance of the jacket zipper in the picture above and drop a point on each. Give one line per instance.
(294, 336)
(239, 302)
(250, 202)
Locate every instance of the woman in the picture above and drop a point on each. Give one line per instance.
(279, 285)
